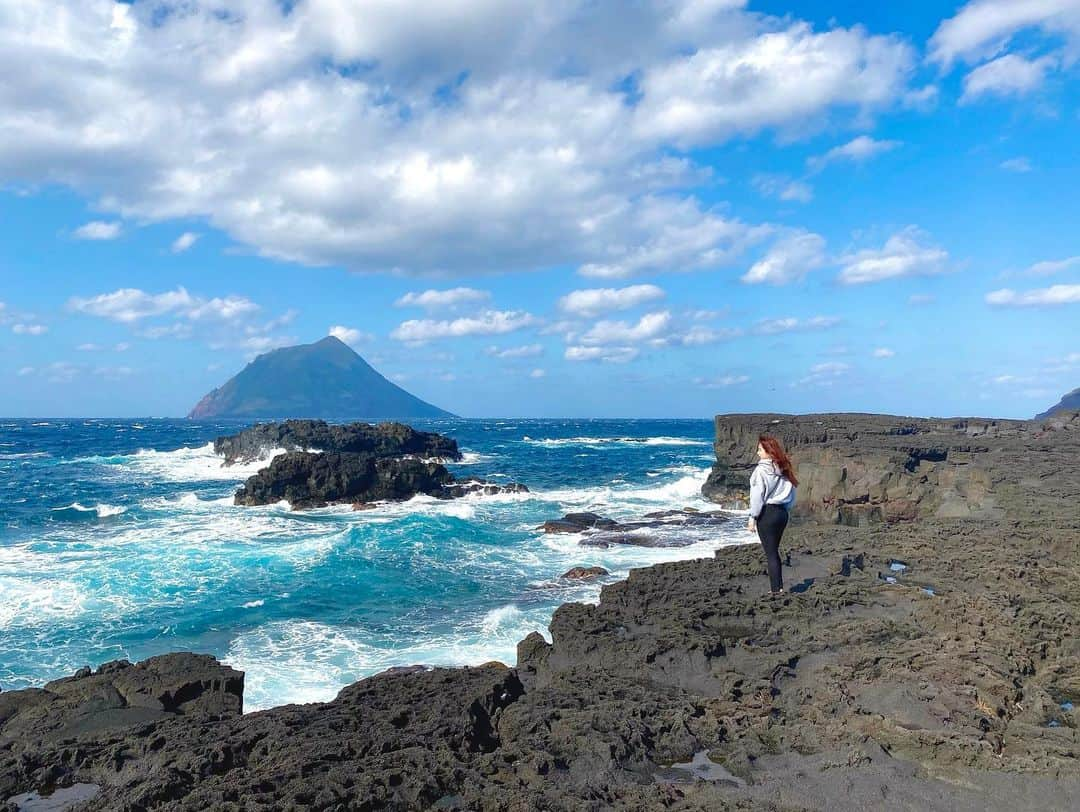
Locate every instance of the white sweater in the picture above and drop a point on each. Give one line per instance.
(769, 486)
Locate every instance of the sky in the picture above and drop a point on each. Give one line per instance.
(545, 208)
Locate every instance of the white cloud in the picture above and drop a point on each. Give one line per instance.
(489, 322)
(1019, 165)
(443, 299)
(537, 373)
(884, 352)
(1054, 266)
(649, 326)
(24, 371)
(983, 28)
(783, 188)
(98, 230)
(825, 374)
(89, 348)
(789, 259)
(699, 335)
(906, 253)
(350, 335)
(857, 150)
(722, 382)
(1008, 75)
(122, 346)
(611, 355)
(257, 122)
(29, 329)
(792, 325)
(130, 305)
(61, 372)
(594, 301)
(184, 242)
(1041, 297)
(528, 351)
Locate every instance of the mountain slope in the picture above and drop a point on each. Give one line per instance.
(325, 379)
(1069, 403)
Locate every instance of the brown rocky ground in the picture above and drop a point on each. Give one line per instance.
(941, 691)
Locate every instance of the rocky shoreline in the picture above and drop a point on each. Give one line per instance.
(926, 658)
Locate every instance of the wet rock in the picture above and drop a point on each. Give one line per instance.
(379, 440)
(584, 573)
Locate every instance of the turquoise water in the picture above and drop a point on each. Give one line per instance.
(119, 539)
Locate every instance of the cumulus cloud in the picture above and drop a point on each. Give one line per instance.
(184, 242)
(906, 253)
(610, 355)
(1041, 297)
(858, 150)
(789, 259)
(98, 230)
(1008, 75)
(982, 28)
(793, 325)
(350, 335)
(258, 122)
(594, 301)
(1051, 267)
(884, 352)
(29, 329)
(537, 373)
(443, 299)
(129, 305)
(783, 188)
(489, 322)
(649, 326)
(528, 351)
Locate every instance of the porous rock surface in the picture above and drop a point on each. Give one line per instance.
(378, 440)
(927, 664)
(861, 469)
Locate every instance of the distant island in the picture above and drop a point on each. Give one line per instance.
(326, 379)
(1068, 403)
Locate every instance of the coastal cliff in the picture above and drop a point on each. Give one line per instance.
(929, 663)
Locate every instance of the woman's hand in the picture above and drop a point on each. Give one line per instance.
(751, 525)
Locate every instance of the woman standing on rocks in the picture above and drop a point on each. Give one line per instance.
(772, 493)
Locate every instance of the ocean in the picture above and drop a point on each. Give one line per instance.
(119, 539)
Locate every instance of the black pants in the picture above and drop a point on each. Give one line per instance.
(770, 528)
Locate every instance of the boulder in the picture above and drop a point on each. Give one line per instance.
(584, 573)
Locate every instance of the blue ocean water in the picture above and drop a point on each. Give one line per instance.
(118, 538)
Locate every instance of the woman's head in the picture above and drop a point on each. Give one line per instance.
(769, 448)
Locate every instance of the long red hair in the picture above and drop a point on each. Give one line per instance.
(776, 452)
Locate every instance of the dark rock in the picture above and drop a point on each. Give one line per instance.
(584, 573)
(857, 469)
(380, 440)
(478, 486)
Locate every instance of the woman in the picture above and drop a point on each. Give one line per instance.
(772, 493)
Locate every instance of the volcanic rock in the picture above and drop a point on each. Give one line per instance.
(380, 440)
(584, 573)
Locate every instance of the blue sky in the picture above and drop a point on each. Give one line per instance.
(564, 208)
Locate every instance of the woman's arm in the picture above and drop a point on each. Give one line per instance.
(757, 497)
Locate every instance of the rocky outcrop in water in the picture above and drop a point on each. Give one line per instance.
(356, 463)
(378, 440)
(930, 664)
(598, 531)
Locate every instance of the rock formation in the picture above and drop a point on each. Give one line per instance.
(380, 440)
(857, 469)
(355, 463)
(1069, 402)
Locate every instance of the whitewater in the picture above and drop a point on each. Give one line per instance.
(119, 539)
